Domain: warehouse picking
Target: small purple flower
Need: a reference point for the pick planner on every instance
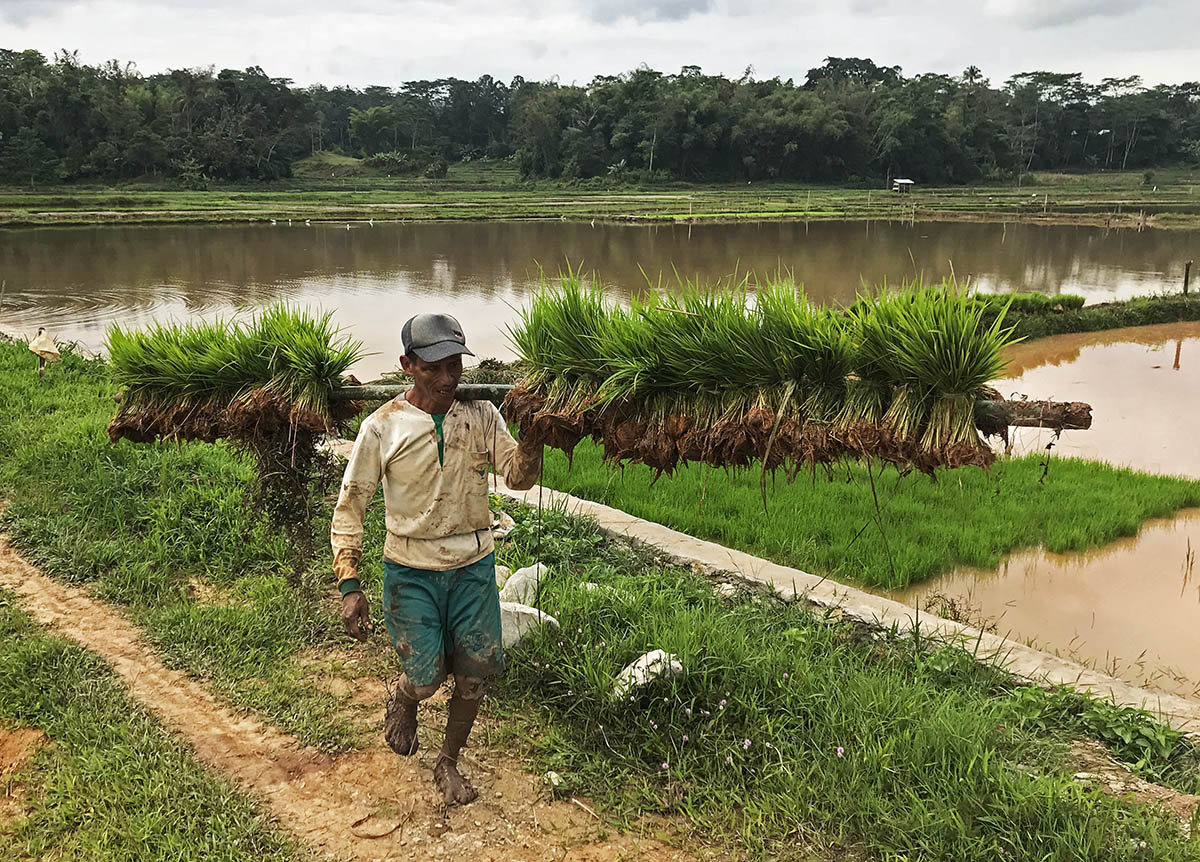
(729, 759)
(601, 644)
(685, 737)
(560, 643)
(721, 705)
(665, 765)
(537, 664)
(841, 751)
(570, 692)
(688, 710)
(785, 676)
(746, 744)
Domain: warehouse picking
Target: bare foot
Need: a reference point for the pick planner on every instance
(400, 725)
(455, 789)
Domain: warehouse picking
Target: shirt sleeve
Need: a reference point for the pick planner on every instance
(363, 474)
(520, 469)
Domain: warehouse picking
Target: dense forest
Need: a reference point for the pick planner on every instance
(850, 120)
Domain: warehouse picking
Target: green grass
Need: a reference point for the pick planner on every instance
(1138, 311)
(113, 784)
(142, 525)
(487, 189)
(940, 758)
(826, 525)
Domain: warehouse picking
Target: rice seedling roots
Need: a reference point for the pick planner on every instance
(736, 440)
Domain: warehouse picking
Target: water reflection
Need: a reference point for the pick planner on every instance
(1141, 383)
(78, 280)
(1131, 608)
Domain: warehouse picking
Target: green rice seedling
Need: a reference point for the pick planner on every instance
(869, 386)
(949, 357)
(562, 335)
(812, 344)
(697, 351)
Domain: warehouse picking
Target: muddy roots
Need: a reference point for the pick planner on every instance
(735, 440)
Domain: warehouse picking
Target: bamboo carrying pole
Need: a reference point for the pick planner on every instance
(1069, 415)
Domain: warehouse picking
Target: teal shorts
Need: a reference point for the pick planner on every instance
(444, 623)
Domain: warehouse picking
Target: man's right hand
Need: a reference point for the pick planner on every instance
(355, 615)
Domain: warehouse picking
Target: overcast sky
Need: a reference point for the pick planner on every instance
(361, 42)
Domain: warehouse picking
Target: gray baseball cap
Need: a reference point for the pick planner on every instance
(433, 337)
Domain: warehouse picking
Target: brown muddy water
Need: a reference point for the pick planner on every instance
(1132, 607)
(76, 281)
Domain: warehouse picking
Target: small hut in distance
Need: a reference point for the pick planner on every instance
(903, 186)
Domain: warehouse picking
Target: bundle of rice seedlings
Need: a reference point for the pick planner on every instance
(872, 378)
(222, 379)
(709, 375)
(264, 385)
(950, 357)
(562, 337)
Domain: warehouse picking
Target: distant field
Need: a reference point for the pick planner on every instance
(338, 188)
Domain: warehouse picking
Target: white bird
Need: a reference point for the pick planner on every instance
(43, 346)
(593, 222)
(289, 221)
(371, 222)
(272, 221)
(347, 225)
(308, 221)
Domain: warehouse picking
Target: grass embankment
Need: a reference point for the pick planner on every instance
(939, 759)
(1139, 311)
(826, 524)
(493, 190)
(111, 784)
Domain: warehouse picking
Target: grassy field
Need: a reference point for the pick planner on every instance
(787, 736)
(111, 785)
(826, 524)
(331, 189)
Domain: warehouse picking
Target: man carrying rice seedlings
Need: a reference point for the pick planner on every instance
(439, 590)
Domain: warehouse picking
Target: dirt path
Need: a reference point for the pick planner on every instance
(318, 797)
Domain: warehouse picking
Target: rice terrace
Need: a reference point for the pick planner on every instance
(669, 467)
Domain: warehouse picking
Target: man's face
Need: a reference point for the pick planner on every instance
(439, 379)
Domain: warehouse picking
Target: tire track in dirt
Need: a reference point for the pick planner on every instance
(318, 797)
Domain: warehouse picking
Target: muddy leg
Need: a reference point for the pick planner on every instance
(41, 367)
(400, 719)
(460, 718)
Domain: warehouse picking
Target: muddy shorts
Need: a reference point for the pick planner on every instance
(444, 623)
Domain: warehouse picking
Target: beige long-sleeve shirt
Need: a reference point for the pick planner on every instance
(437, 514)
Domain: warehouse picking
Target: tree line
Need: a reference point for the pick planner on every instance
(850, 120)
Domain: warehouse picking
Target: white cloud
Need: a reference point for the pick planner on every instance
(361, 42)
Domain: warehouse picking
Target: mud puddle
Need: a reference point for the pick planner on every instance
(1142, 384)
(1130, 608)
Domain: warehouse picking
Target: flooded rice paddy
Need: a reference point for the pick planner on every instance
(1132, 607)
(76, 281)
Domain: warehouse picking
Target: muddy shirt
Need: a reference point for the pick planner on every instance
(436, 507)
